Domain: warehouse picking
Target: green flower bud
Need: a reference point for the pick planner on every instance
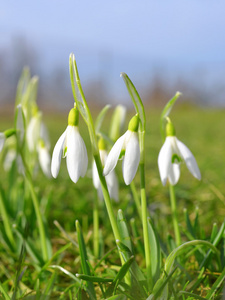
(101, 144)
(73, 117)
(134, 123)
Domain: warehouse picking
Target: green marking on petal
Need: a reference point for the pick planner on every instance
(122, 153)
(175, 159)
(64, 151)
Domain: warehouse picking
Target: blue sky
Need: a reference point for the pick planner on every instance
(136, 37)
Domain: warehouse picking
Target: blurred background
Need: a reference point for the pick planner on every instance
(163, 46)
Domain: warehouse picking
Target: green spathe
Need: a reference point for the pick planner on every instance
(134, 123)
(101, 144)
(73, 117)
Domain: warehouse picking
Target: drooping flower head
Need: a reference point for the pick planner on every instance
(71, 145)
(126, 147)
(111, 179)
(172, 153)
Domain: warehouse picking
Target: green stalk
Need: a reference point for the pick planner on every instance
(96, 228)
(136, 199)
(34, 198)
(174, 215)
(144, 209)
(107, 198)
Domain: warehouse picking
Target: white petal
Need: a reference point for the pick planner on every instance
(32, 133)
(189, 159)
(57, 155)
(44, 160)
(95, 176)
(164, 160)
(131, 159)
(112, 184)
(77, 160)
(114, 155)
(44, 135)
(2, 140)
(174, 173)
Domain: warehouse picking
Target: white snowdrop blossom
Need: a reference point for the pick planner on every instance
(2, 140)
(128, 145)
(44, 158)
(111, 179)
(172, 153)
(70, 145)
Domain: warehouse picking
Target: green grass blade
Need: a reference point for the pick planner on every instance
(216, 285)
(118, 297)
(3, 292)
(217, 239)
(193, 296)
(94, 278)
(155, 251)
(30, 247)
(65, 272)
(188, 224)
(84, 259)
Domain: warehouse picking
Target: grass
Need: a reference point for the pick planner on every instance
(24, 275)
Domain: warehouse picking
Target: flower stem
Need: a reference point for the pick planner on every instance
(96, 228)
(144, 210)
(174, 215)
(107, 198)
(136, 199)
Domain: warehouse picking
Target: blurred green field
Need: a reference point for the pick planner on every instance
(202, 130)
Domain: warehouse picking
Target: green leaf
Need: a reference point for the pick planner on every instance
(136, 235)
(155, 251)
(94, 278)
(122, 226)
(171, 258)
(84, 259)
(100, 118)
(165, 113)
(138, 281)
(118, 297)
(136, 99)
(65, 272)
(117, 122)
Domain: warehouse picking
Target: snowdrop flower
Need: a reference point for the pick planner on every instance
(128, 146)
(111, 179)
(172, 153)
(5, 135)
(71, 145)
(44, 159)
(2, 140)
